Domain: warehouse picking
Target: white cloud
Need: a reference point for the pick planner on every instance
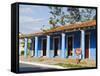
(28, 19)
(25, 10)
(29, 27)
(28, 24)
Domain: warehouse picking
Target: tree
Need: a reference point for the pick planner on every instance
(87, 14)
(74, 14)
(55, 13)
(60, 16)
(71, 15)
(53, 21)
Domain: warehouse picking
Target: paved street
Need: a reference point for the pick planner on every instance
(29, 67)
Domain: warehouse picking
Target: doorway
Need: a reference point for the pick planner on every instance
(56, 46)
(70, 45)
(87, 43)
(32, 47)
(44, 43)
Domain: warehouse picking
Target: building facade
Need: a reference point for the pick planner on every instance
(63, 41)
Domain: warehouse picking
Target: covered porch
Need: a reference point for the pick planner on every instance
(63, 41)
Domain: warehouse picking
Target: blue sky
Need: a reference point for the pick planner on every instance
(32, 18)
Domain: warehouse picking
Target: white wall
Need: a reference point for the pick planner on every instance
(5, 24)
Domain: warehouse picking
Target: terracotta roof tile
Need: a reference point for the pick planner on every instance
(73, 26)
(66, 27)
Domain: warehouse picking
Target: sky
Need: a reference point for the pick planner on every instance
(32, 18)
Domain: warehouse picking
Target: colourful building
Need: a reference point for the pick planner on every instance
(63, 41)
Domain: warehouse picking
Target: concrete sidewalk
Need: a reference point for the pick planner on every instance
(42, 65)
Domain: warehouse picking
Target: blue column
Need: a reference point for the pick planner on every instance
(83, 43)
(26, 48)
(36, 46)
(48, 46)
(63, 50)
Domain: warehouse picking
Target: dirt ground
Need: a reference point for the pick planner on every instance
(54, 61)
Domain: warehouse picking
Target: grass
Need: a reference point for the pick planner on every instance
(69, 65)
(66, 63)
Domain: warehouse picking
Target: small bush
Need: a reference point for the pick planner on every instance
(22, 52)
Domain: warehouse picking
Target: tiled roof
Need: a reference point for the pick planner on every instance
(67, 27)
(74, 26)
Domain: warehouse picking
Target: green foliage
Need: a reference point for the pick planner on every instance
(53, 21)
(22, 52)
(23, 45)
(74, 14)
(71, 15)
(55, 13)
(88, 14)
(28, 45)
(69, 65)
(62, 16)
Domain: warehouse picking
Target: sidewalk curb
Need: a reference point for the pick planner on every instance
(42, 65)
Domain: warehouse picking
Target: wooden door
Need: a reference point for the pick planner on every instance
(56, 43)
(44, 47)
(70, 45)
(87, 46)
